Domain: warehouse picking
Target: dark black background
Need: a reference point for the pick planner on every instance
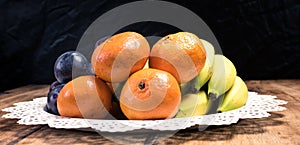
(261, 37)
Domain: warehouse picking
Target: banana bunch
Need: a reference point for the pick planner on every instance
(225, 90)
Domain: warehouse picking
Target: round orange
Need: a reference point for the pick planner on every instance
(182, 54)
(119, 56)
(84, 97)
(150, 94)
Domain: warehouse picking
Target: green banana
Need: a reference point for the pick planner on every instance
(195, 84)
(236, 97)
(223, 77)
(193, 105)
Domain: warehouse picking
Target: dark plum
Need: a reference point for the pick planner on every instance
(52, 99)
(89, 69)
(101, 40)
(54, 85)
(70, 65)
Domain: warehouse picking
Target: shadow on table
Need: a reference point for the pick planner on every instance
(215, 133)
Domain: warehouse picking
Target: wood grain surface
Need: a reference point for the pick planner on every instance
(280, 128)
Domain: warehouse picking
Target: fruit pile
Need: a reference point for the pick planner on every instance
(180, 76)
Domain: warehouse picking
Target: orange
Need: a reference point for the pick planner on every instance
(84, 97)
(119, 56)
(182, 54)
(150, 94)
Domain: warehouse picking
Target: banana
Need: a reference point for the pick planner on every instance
(223, 77)
(195, 84)
(236, 97)
(207, 70)
(193, 105)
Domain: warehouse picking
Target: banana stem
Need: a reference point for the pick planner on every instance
(212, 96)
(213, 103)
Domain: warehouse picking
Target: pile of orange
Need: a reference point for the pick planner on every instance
(145, 81)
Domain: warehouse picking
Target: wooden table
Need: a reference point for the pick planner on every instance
(280, 128)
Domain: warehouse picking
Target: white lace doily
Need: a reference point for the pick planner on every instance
(32, 113)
